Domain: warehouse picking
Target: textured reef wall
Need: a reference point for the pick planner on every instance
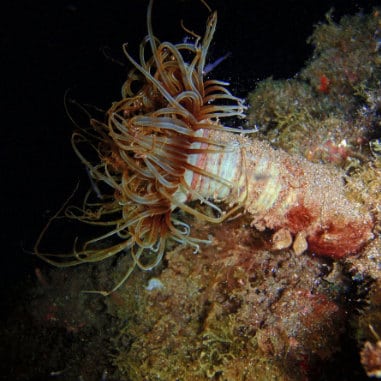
(235, 311)
(329, 111)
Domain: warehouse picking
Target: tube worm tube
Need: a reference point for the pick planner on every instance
(287, 194)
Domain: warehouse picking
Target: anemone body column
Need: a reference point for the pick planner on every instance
(287, 194)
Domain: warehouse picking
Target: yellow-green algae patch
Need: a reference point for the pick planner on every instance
(233, 311)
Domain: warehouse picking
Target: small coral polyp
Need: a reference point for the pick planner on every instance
(164, 145)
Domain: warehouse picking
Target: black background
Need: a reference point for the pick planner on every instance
(50, 47)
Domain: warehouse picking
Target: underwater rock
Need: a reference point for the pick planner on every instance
(233, 311)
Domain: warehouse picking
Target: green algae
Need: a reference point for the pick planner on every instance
(329, 110)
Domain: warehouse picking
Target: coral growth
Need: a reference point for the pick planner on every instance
(329, 111)
(371, 359)
(365, 186)
(237, 312)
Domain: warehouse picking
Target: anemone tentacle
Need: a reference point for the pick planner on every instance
(153, 151)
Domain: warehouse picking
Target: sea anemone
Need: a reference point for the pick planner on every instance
(154, 152)
(162, 147)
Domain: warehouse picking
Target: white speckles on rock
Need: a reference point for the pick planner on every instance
(154, 284)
